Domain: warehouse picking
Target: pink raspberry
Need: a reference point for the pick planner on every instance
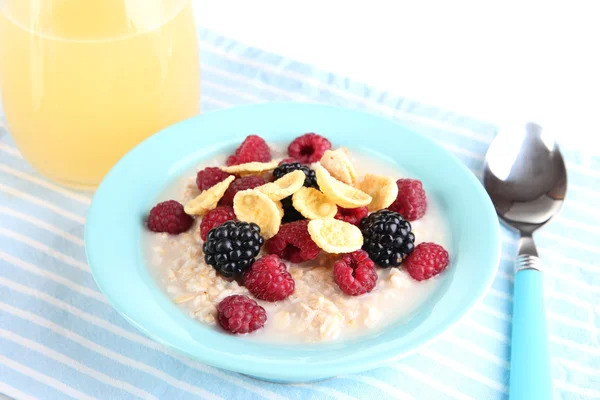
(253, 148)
(288, 160)
(308, 148)
(268, 279)
(355, 273)
(426, 260)
(293, 243)
(352, 215)
(169, 217)
(411, 201)
(246, 182)
(209, 177)
(240, 314)
(215, 218)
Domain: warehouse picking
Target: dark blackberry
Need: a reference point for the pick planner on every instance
(290, 214)
(286, 168)
(231, 247)
(387, 238)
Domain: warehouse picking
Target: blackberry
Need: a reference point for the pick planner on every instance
(290, 213)
(232, 247)
(286, 168)
(387, 238)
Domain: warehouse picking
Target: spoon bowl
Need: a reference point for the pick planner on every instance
(525, 176)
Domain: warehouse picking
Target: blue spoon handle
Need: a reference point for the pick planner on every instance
(530, 377)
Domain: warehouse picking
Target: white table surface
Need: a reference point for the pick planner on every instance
(534, 60)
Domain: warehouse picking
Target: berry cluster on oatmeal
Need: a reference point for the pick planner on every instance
(257, 217)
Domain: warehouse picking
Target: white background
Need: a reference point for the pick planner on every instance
(492, 60)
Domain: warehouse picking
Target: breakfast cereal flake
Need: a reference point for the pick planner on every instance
(251, 167)
(343, 195)
(382, 189)
(208, 199)
(283, 187)
(335, 236)
(313, 204)
(254, 206)
(339, 166)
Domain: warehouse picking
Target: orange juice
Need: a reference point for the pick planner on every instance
(83, 81)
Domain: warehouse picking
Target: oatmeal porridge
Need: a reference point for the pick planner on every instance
(334, 290)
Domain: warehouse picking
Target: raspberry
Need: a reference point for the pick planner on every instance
(215, 218)
(240, 314)
(352, 215)
(169, 217)
(355, 273)
(288, 160)
(293, 243)
(426, 260)
(268, 279)
(209, 177)
(411, 202)
(308, 148)
(253, 148)
(246, 182)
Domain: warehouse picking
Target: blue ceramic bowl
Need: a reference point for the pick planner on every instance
(115, 223)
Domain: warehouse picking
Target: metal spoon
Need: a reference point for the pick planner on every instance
(526, 179)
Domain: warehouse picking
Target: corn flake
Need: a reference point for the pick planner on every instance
(254, 206)
(285, 186)
(251, 168)
(341, 194)
(279, 208)
(339, 166)
(335, 236)
(382, 189)
(313, 204)
(208, 199)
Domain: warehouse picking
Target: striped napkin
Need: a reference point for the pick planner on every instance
(60, 338)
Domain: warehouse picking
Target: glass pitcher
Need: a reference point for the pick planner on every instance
(83, 81)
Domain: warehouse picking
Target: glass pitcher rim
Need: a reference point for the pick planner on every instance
(174, 8)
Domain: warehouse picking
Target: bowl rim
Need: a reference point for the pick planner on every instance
(309, 362)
